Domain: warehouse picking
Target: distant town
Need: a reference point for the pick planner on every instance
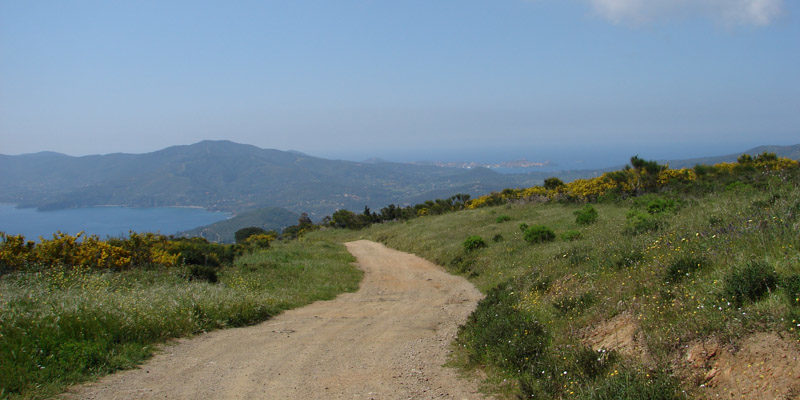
(472, 164)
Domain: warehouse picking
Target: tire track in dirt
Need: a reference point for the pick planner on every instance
(388, 340)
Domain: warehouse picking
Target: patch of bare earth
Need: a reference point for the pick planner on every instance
(389, 340)
(621, 334)
(761, 366)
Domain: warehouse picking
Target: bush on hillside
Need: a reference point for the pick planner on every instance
(569, 236)
(639, 222)
(539, 234)
(500, 333)
(684, 266)
(473, 242)
(586, 215)
(502, 218)
(749, 282)
(242, 234)
(553, 183)
(792, 286)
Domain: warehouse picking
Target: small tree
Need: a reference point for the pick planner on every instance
(553, 183)
(242, 234)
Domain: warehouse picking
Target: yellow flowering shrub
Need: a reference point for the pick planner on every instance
(95, 253)
(15, 252)
(61, 250)
(259, 241)
(668, 176)
(161, 256)
(778, 164)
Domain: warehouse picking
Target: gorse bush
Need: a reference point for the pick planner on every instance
(749, 282)
(473, 243)
(539, 234)
(586, 215)
(137, 250)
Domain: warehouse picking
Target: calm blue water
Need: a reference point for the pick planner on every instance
(103, 221)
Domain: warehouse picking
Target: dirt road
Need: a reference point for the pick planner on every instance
(386, 341)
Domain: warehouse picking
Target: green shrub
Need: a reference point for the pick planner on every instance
(473, 242)
(203, 273)
(522, 227)
(569, 236)
(715, 221)
(792, 286)
(539, 234)
(497, 238)
(242, 234)
(592, 364)
(586, 215)
(750, 282)
(684, 266)
(577, 304)
(503, 218)
(577, 255)
(630, 385)
(553, 183)
(639, 222)
(623, 259)
(660, 205)
(655, 204)
(499, 333)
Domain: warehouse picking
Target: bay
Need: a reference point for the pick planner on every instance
(103, 221)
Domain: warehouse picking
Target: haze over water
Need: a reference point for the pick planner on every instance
(103, 221)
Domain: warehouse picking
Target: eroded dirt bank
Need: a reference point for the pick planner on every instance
(386, 341)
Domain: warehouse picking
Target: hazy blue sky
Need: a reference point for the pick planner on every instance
(361, 78)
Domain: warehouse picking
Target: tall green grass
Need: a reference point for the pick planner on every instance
(64, 325)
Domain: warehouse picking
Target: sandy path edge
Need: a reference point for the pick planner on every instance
(388, 340)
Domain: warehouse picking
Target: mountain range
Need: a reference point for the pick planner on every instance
(261, 187)
(227, 176)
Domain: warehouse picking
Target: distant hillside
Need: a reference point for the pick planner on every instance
(223, 175)
(271, 218)
(792, 152)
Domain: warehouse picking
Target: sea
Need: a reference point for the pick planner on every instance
(104, 222)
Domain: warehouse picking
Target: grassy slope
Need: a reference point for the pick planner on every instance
(567, 287)
(59, 327)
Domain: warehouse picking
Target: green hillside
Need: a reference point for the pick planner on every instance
(689, 291)
(270, 219)
(222, 175)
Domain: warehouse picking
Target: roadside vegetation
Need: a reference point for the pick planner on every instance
(600, 288)
(74, 308)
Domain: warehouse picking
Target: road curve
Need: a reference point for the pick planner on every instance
(388, 340)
